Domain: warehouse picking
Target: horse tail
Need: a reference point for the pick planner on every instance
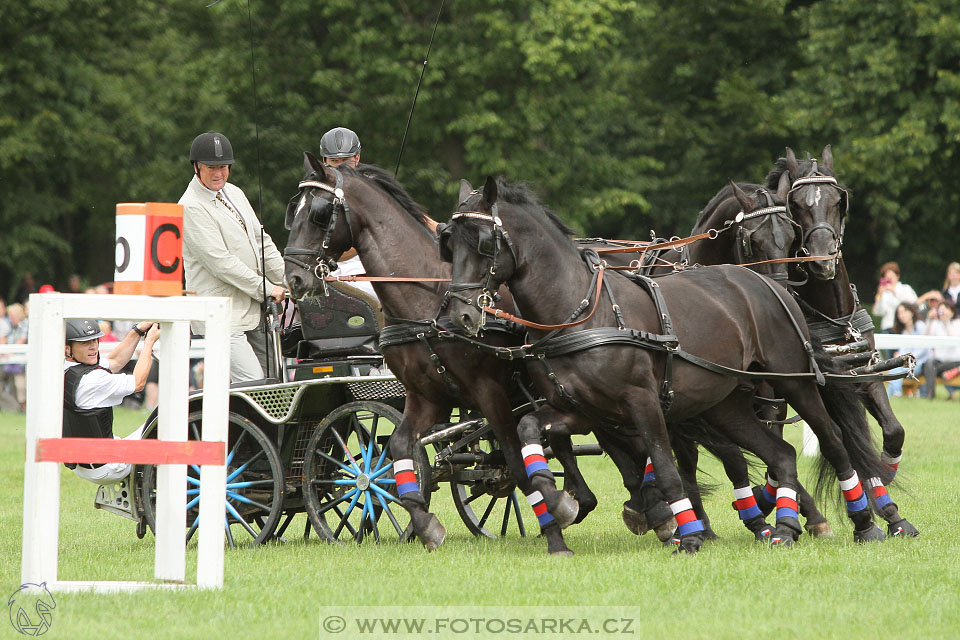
(843, 406)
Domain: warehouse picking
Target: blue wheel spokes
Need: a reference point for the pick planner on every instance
(246, 500)
(194, 481)
(386, 508)
(236, 445)
(337, 501)
(346, 515)
(385, 494)
(246, 464)
(247, 483)
(380, 471)
(345, 468)
(343, 445)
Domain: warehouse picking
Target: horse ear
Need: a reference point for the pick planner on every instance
(792, 165)
(745, 203)
(311, 164)
(490, 191)
(783, 189)
(827, 157)
(465, 189)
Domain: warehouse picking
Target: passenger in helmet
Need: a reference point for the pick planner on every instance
(340, 146)
(93, 386)
(222, 240)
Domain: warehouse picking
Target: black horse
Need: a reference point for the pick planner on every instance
(819, 204)
(366, 208)
(631, 362)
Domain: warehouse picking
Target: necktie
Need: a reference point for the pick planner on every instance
(230, 209)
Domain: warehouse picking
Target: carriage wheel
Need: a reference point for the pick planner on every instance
(349, 488)
(255, 483)
(486, 495)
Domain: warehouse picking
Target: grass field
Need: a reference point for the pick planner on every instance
(821, 588)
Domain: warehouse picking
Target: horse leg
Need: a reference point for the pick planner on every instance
(496, 409)
(815, 522)
(735, 466)
(874, 398)
(555, 509)
(741, 425)
(645, 509)
(687, 456)
(645, 412)
(417, 413)
(810, 403)
(573, 481)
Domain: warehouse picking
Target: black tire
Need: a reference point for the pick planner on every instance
(348, 485)
(255, 483)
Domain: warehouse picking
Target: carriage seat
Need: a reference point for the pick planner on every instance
(344, 324)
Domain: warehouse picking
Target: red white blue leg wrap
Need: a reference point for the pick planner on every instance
(534, 460)
(853, 493)
(745, 503)
(891, 463)
(648, 474)
(405, 476)
(540, 508)
(687, 522)
(787, 504)
(880, 495)
(770, 490)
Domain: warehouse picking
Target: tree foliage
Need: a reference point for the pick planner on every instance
(625, 116)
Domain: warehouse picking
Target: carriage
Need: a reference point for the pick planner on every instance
(318, 444)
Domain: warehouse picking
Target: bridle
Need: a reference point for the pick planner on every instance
(324, 264)
(818, 178)
(490, 244)
(743, 247)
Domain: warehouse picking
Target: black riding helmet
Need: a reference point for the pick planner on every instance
(339, 142)
(83, 330)
(211, 148)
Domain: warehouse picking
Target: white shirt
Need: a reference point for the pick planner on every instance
(354, 267)
(101, 388)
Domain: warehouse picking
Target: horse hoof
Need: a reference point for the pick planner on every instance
(873, 533)
(819, 529)
(902, 529)
(433, 535)
(565, 511)
(765, 534)
(784, 535)
(635, 520)
(781, 540)
(688, 544)
(710, 534)
(561, 553)
(666, 529)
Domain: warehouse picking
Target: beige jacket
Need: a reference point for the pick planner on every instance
(220, 258)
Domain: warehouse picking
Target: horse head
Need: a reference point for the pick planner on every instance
(763, 228)
(318, 219)
(819, 204)
(481, 251)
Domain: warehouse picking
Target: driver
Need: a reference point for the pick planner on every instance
(340, 146)
(92, 386)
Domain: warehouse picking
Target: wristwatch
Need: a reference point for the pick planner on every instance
(136, 328)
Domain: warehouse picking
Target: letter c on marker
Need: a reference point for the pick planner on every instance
(154, 246)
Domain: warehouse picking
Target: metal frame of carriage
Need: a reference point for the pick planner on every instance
(318, 445)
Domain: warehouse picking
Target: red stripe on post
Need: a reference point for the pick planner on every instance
(103, 450)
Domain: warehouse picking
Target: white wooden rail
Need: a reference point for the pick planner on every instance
(41, 505)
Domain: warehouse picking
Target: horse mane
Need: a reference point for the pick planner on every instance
(389, 185)
(519, 193)
(727, 192)
(805, 169)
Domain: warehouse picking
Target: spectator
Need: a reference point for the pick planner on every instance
(222, 240)
(941, 321)
(27, 286)
(74, 284)
(951, 285)
(908, 322)
(4, 322)
(47, 288)
(890, 293)
(107, 328)
(14, 378)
